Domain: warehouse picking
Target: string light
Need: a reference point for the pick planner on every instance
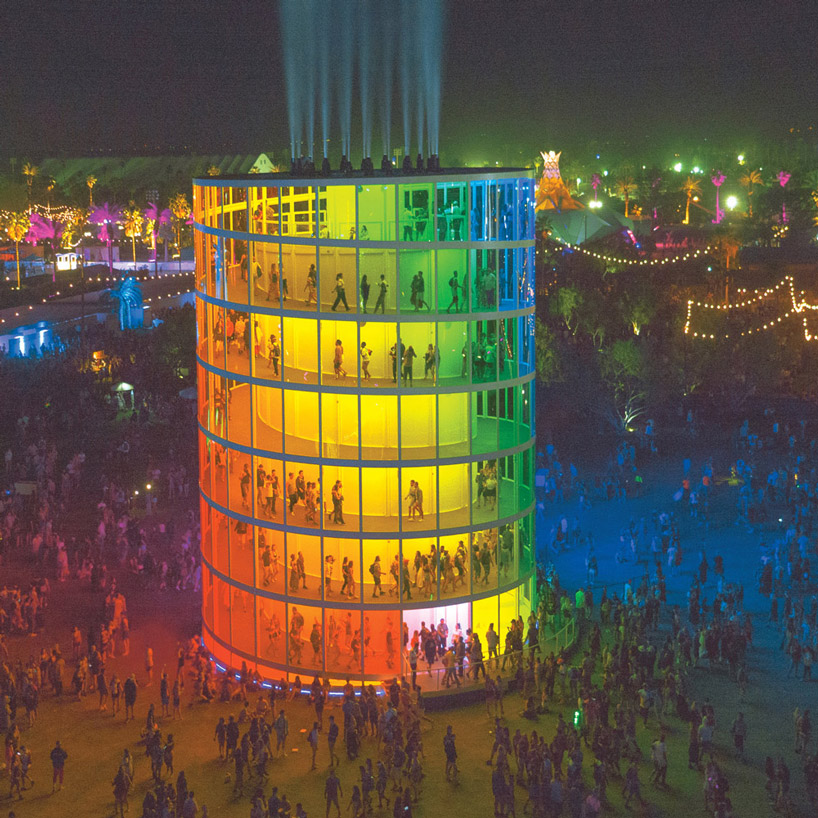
(629, 262)
(798, 307)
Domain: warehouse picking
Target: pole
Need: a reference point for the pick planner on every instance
(82, 303)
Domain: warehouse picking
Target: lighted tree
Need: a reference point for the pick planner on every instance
(625, 186)
(692, 187)
(783, 177)
(90, 180)
(132, 220)
(718, 180)
(49, 232)
(157, 222)
(17, 226)
(214, 170)
(50, 184)
(30, 171)
(749, 181)
(596, 181)
(180, 207)
(106, 217)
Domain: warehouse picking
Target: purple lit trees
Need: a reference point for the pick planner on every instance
(107, 216)
(49, 232)
(718, 180)
(783, 177)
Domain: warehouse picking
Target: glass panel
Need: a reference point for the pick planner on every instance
(451, 209)
(300, 490)
(205, 477)
(264, 206)
(507, 195)
(479, 211)
(484, 412)
(507, 409)
(453, 353)
(338, 219)
(265, 262)
(380, 493)
(507, 500)
(339, 353)
(508, 558)
(300, 350)
(508, 614)
(418, 426)
(483, 266)
(417, 216)
(343, 642)
(379, 427)
(484, 560)
(417, 287)
(299, 277)
(526, 215)
(415, 341)
(298, 211)
(376, 561)
(219, 474)
(485, 491)
(485, 616)
(525, 543)
(524, 430)
(341, 497)
(507, 279)
(342, 568)
(454, 495)
(376, 212)
(221, 609)
(270, 573)
(242, 558)
(221, 542)
(267, 340)
(240, 488)
(271, 637)
(454, 566)
(337, 279)
(238, 341)
(453, 429)
(452, 281)
(301, 419)
(339, 426)
(238, 412)
(272, 506)
(378, 280)
(217, 351)
(267, 421)
(235, 209)
(484, 351)
(381, 353)
(305, 641)
(382, 642)
(236, 266)
(303, 562)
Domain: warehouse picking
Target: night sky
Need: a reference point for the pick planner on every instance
(83, 76)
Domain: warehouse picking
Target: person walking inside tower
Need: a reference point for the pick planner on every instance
(340, 293)
(383, 286)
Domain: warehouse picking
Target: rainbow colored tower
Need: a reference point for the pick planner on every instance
(366, 414)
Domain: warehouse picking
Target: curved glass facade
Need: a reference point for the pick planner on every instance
(366, 414)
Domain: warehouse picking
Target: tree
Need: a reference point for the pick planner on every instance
(214, 170)
(180, 207)
(748, 181)
(625, 186)
(49, 232)
(17, 226)
(692, 187)
(132, 220)
(30, 171)
(50, 184)
(106, 217)
(90, 180)
(568, 301)
(548, 362)
(157, 222)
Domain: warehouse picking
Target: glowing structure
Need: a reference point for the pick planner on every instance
(552, 194)
(290, 408)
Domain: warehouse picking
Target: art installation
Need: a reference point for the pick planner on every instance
(366, 414)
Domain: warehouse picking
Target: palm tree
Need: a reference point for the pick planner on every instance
(90, 180)
(49, 232)
(107, 216)
(625, 186)
(132, 222)
(692, 187)
(180, 208)
(17, 225)
(155, 221)
(751, 178)
(50, 184)
(30, 171)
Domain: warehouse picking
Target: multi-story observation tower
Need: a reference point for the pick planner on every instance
(366, 414)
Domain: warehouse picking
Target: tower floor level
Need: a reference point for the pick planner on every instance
(366, 417)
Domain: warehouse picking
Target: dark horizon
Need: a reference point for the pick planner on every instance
(186, 76)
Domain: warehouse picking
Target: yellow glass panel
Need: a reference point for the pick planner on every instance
(339, 426)
(418, 416)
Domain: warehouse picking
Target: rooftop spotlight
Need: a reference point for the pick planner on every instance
(293, 167)
(325, 167)
(386, 165)
(367, 168)
(407, 164)
(419, 163)
(433, 164)
(346, 165)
